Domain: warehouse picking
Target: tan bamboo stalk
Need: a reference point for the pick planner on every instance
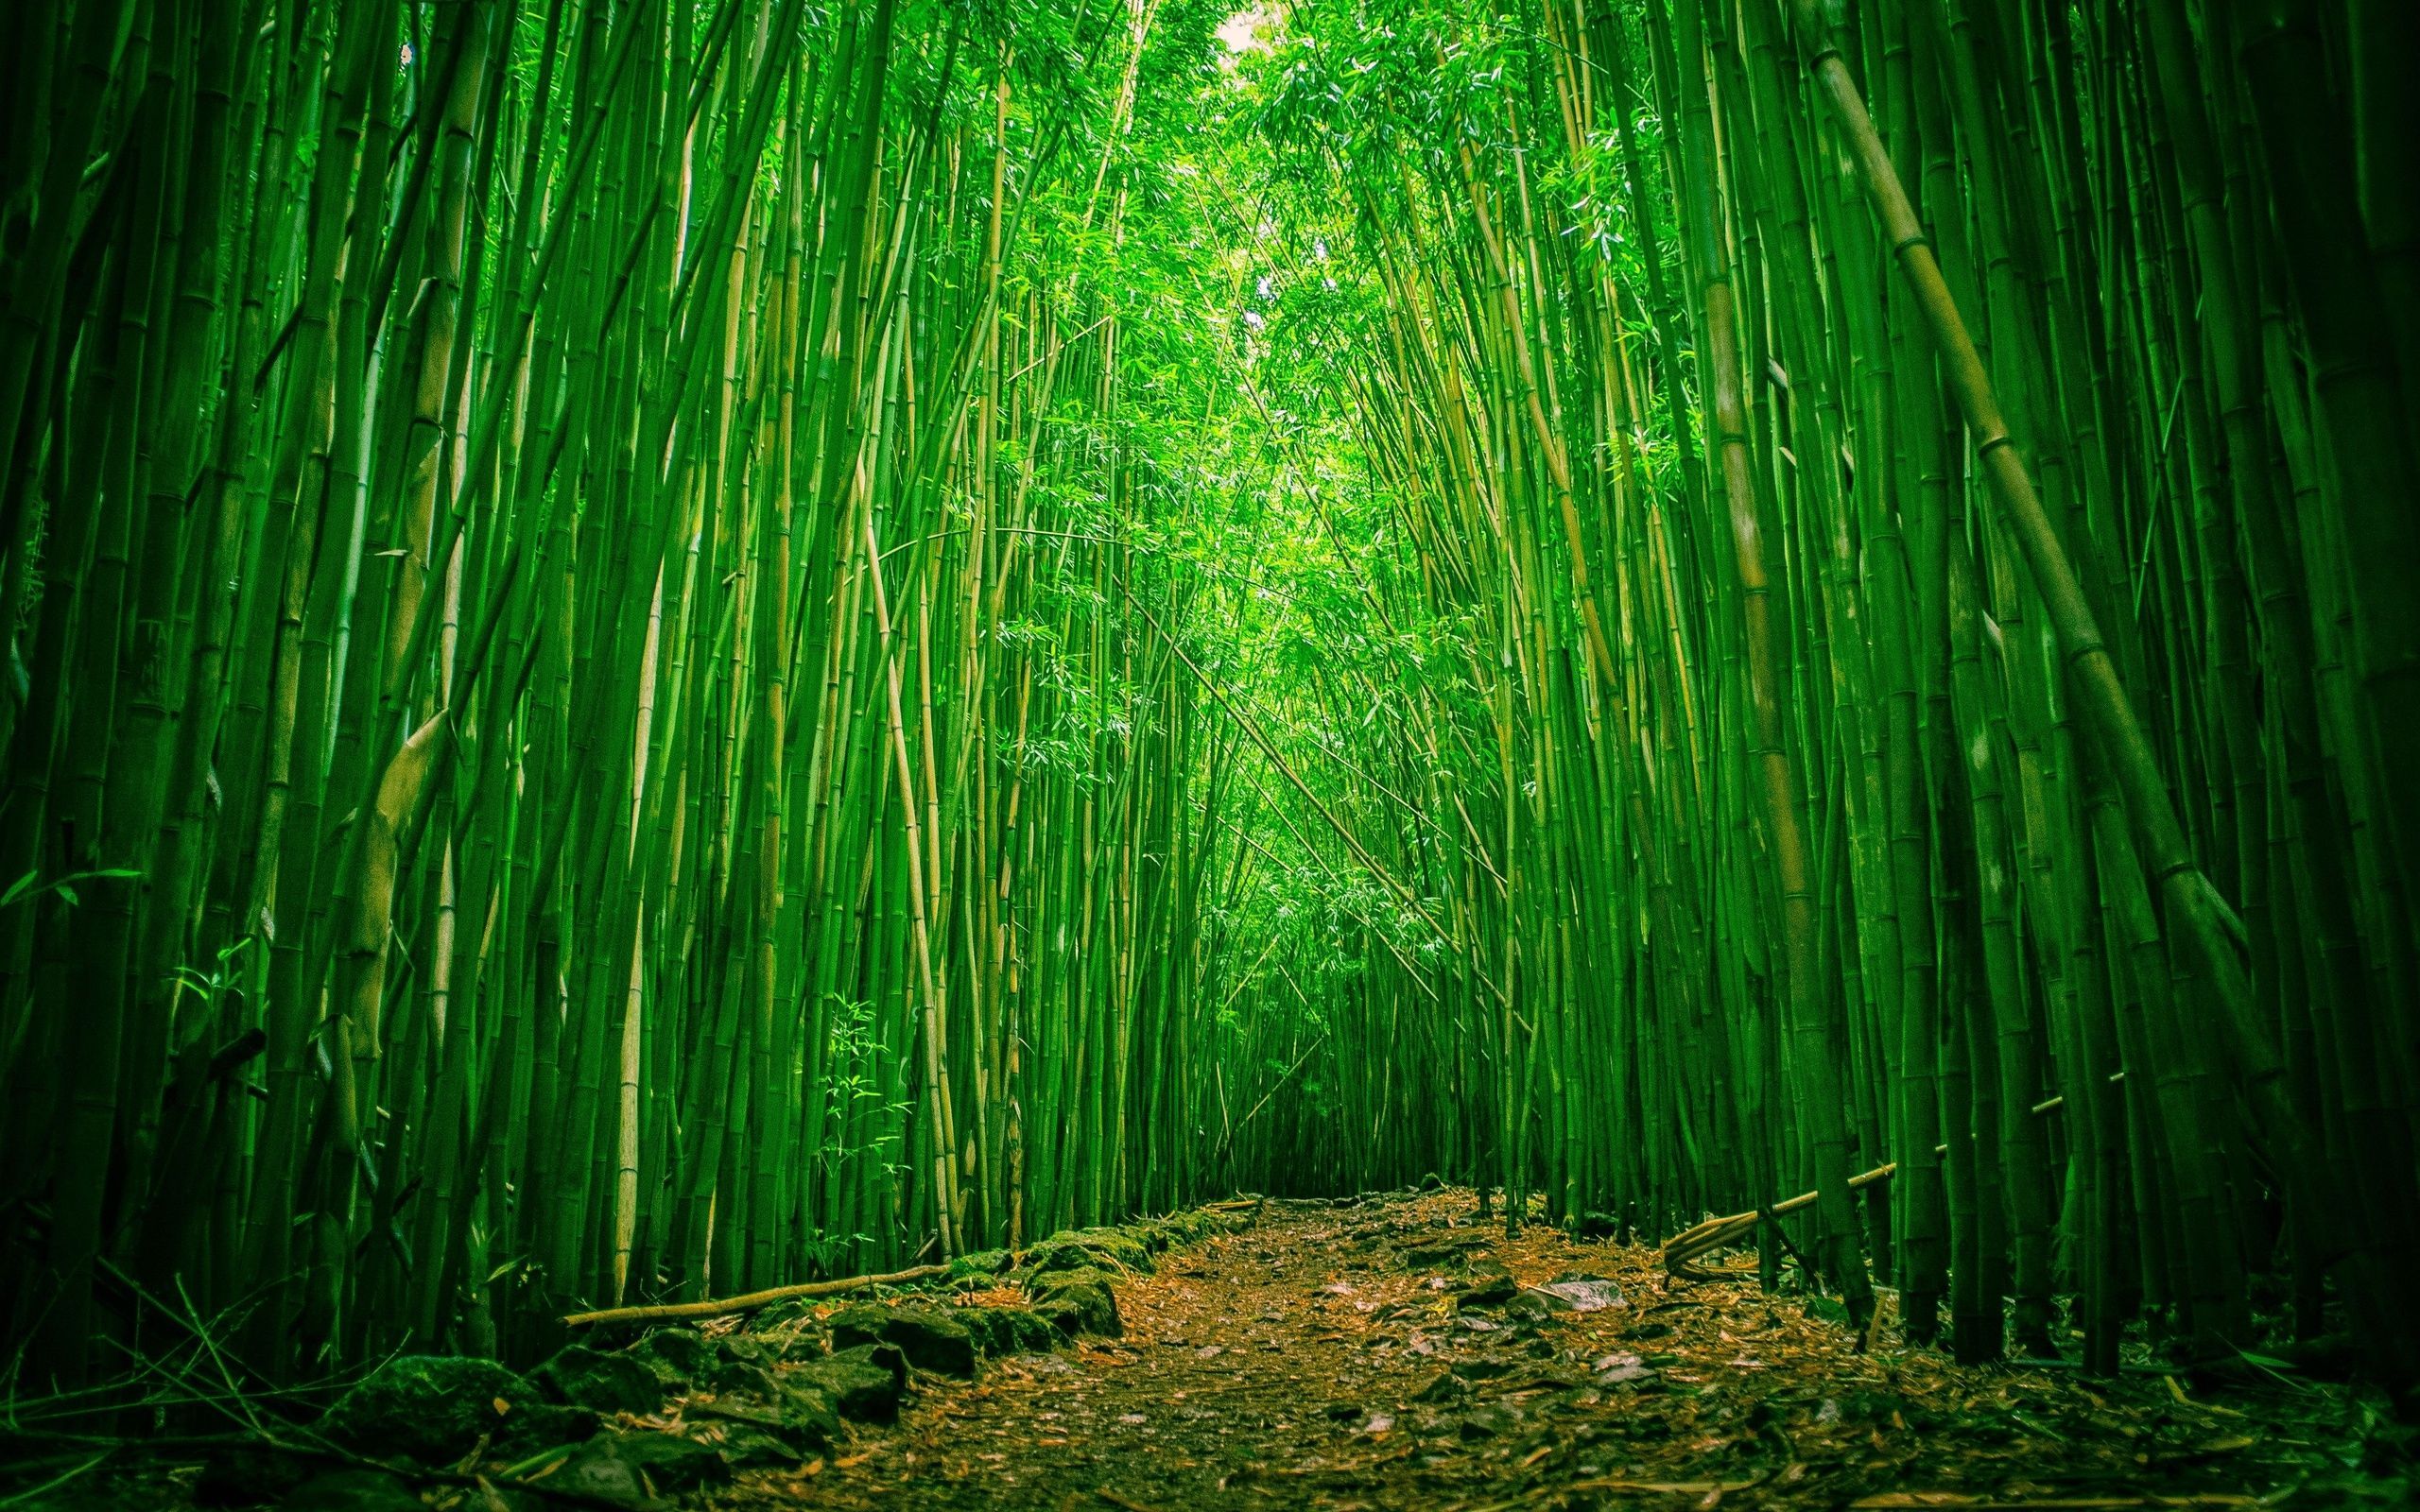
(936, 1066)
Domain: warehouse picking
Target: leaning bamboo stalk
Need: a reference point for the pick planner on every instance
(936, 1066)
(2198, 912)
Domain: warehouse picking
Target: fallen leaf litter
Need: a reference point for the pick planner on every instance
(1397, 1354)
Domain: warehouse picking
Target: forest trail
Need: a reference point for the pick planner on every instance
(1396, 1353)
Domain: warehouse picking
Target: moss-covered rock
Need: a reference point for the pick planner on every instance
(932, 1338)
(1091, 1248)
(747, 1446)
(743, 1363)
(756, 1347)
(436, 1408)
(806, 1417)
(800, 1421)
(1079, 1302)
(1190, 1226)
(864, 1382)
(675, 1355)
(984, 1265)
(1009, 1330)
(603, 1383)
(637, 1469)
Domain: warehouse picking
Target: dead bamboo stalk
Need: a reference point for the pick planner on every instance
(2195, 907)
(750, 1302)
(1718, 1233)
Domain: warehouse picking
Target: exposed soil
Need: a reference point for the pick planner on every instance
(1349, 1358)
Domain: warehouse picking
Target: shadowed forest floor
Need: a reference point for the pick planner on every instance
(1386, 1353)
(1348, 1357)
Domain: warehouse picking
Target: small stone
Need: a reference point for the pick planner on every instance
(1621, 1368)
(1588, 1294)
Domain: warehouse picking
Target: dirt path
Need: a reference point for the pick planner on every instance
(1389, 1355)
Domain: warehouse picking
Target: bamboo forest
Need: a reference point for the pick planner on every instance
(1116, 753)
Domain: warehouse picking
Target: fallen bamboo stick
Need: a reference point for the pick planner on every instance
(1720, 1233)
(750, 1302)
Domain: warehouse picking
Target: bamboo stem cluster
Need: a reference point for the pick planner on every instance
(575, 731)
(658, 649)
(1908, 475)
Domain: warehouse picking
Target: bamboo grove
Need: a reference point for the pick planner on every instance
(1922, 485)
(668, 646)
